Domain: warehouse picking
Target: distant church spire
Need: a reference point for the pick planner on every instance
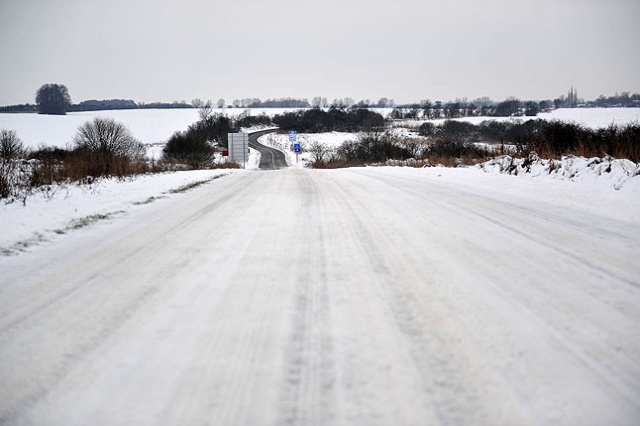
(572, 97)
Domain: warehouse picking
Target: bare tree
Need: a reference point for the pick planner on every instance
(221, 103)
(205, 111)
(318, 151)
(106, 137)
(11, 150)
(11, 147)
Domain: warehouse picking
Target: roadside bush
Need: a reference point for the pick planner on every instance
(550, 139)
(560, 138)
(629, 142)
(624, 141)
(212, 128)
(49, 165)
(11, 152)
(373, 147)
(106, 148)
(493, 131)
(247, 120)
(457, 130)
(427, 129)
(318, 152)
(453, 152)
(189, 148)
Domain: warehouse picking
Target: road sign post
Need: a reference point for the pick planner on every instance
(238, 147)
(297, 149)
(293, 139)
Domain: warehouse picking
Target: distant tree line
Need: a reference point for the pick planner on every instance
(99, 105)
(626, 100)
(272, 103)
(19, 108)
(316, 102)
(55, 99)
(317, 120)
(427, 110)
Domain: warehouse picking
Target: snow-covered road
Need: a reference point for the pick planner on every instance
(345, 297)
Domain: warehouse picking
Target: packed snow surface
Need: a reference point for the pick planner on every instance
(365, 296)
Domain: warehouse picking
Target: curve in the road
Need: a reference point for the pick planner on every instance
(270, 158)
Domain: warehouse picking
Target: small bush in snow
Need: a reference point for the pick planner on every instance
(11, 173)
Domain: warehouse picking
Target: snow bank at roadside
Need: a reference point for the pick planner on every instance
(64, 208)
(67, 207)
(604, 172)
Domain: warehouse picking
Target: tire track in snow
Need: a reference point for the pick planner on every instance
(446, 390)
(591, 306)
(308, 395)
(543, 227)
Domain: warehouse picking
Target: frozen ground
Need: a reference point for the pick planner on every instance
(377, 296)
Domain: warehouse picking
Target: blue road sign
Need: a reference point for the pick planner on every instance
(296, 147)
(293, 135)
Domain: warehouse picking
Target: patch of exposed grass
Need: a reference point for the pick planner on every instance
(22, 246)
(147, 201)
(88, 220)
(192, 185)
(85, 221)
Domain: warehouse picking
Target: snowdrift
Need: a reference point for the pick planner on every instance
(605, 172)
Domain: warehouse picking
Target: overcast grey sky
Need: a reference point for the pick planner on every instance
(407, 50)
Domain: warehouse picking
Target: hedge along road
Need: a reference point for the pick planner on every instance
(369, 296)
(270, 158)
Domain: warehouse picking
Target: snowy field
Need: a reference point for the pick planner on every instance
(155, 126)
(150, 126)
(594, 118)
